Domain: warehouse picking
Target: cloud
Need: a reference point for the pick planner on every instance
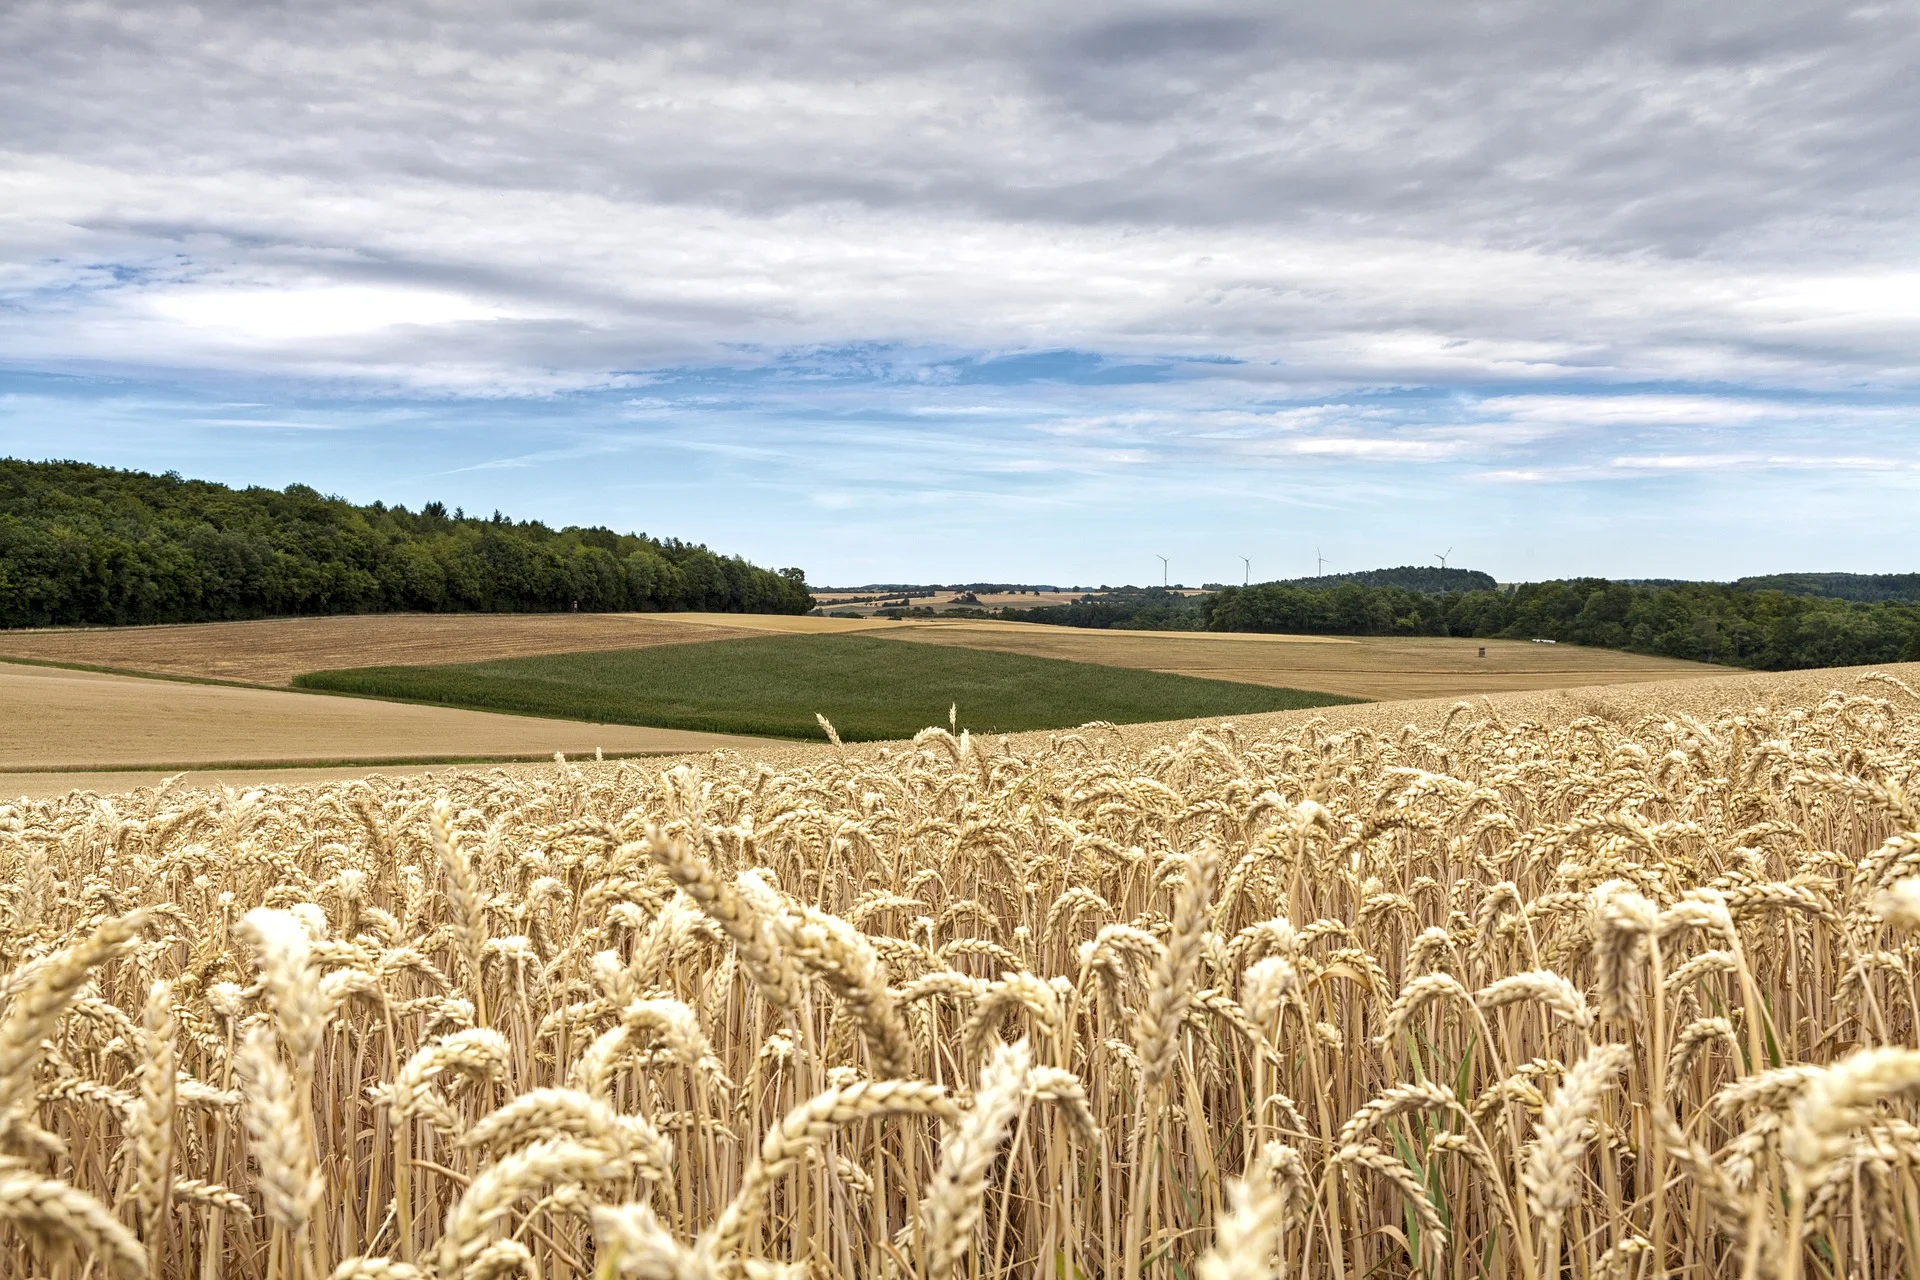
(1741, 461)
(1374, 193)
(274, 316)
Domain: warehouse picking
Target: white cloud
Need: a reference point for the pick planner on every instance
(1379, 193)
(1870, 298)
(1744, 461)
(1359, 447)
(274, 317)
(1634, 410)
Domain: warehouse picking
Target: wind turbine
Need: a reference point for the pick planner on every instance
(1442, 557)
(1246, 578)
(1320, 570)
(1163, 568)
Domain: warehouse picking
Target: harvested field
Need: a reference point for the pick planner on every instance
(783, 623)
(985, 600)
(60, 721)
(997, 600)
(1620, 996)
(1374, 667)
(1009, 600)
(272, 651)
(867, 603)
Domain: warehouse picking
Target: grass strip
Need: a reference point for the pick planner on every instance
(772, 686)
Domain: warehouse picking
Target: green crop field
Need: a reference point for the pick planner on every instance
(772, 686)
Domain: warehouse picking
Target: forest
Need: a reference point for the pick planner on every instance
(1840, 586)
(1410, 577)
(1708, 622)
(82, 544)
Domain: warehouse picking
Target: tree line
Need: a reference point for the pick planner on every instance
(82, 544)
(1840, 586)
(1707, 622)
(1411, 577)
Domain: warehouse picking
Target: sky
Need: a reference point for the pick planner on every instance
(1027, 291)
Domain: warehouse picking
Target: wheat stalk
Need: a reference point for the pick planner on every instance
(1553, 1174)
(58, 1215)
(152, 1118)
(957, 1195)
(289, 1184)
(788, 1142)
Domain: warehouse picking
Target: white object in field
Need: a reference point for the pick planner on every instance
(1538, 640)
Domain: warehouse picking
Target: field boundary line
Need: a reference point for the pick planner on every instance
(305, 689)
(174, 677)
(333, 693)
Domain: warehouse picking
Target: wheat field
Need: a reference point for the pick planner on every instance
(1619, 997)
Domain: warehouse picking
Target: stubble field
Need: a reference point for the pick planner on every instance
(1622, 993)
(61, 721)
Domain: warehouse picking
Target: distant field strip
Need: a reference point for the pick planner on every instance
(1369, 667)
(773, 686)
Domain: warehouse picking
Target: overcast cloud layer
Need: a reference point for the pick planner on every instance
(1025, 290)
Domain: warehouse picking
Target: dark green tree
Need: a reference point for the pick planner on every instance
(82, 544)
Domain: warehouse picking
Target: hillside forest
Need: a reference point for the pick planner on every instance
(81, 544)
